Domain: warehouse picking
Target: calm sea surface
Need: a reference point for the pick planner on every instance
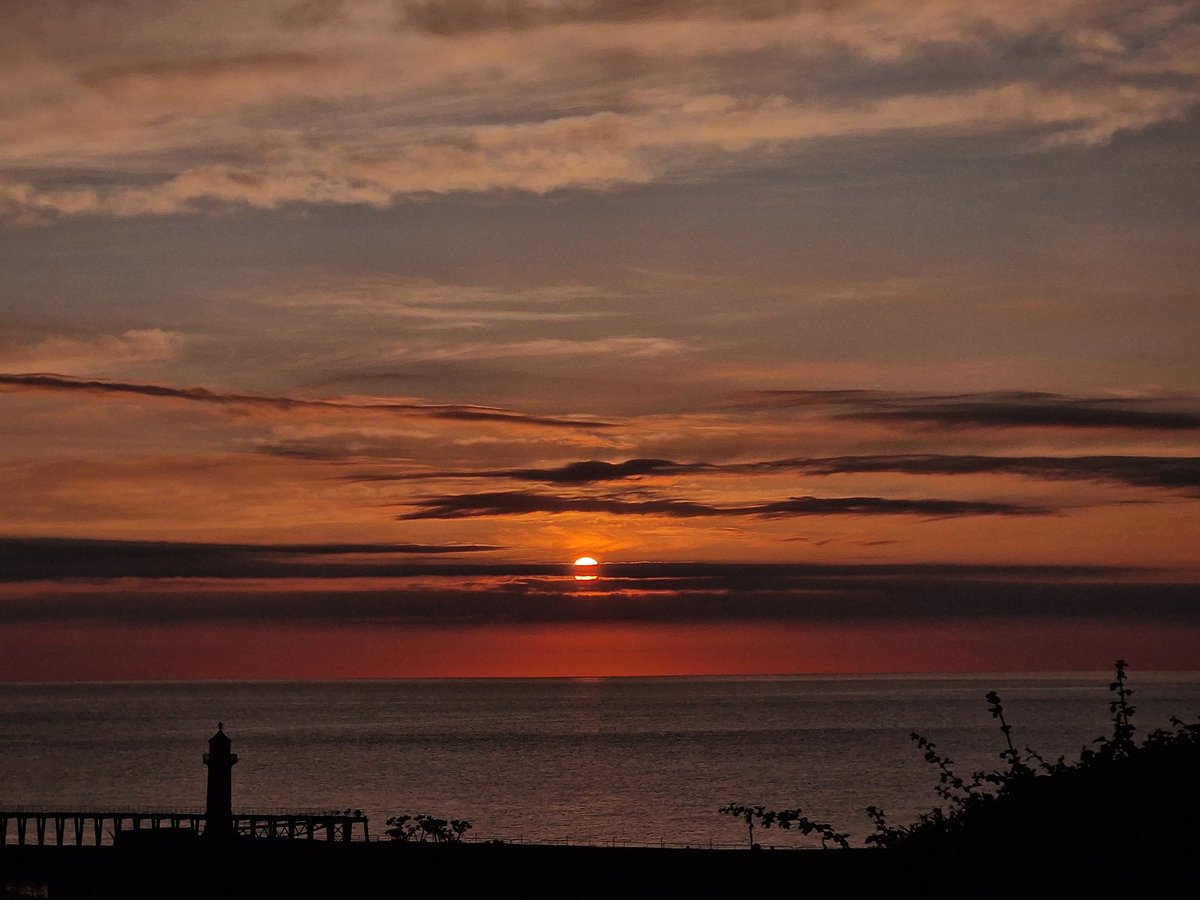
(595, 760)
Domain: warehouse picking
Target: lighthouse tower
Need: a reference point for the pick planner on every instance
(218, 807)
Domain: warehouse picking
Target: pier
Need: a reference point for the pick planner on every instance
(99, 827)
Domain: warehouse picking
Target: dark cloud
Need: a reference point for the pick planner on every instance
(65, 559)
(1139, 471)
(1180, 472)
(326, 451)
(512, 503)
(1012, 409)
(90, 584)
(516, 503)
(737, 575)
(48, 382)
(200, 69)
(459, 16)
(29, 559)
(864, 594)
(882, 506)
(784, 399)
(595, 470)
(585, 472)
(1056, 414)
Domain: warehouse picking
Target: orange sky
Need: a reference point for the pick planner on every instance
(841, 334)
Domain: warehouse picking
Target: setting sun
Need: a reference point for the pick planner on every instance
(585, 562)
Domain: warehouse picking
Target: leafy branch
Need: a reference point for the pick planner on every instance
(787, 819)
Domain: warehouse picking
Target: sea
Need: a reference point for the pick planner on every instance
(620, 761)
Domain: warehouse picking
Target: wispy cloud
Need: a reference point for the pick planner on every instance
(647, 594)
(210, 116)
(617, 346)
(989, 410)
(33, 559)
(1171, 472)
(423, 305)
(598, 151)
(93, 354)
(514, 503)
(459, 16)
(39, 382)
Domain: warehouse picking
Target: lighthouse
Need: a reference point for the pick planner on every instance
(218, 807)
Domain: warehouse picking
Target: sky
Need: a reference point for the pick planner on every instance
(848, 335)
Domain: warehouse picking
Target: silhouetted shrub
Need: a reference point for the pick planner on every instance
(422, 827)
(1120, 798)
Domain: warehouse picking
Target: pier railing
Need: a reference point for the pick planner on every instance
(99, 826)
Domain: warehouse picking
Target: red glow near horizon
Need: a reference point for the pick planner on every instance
(78, 653)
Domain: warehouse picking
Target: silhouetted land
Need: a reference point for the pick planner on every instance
(262, 869)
